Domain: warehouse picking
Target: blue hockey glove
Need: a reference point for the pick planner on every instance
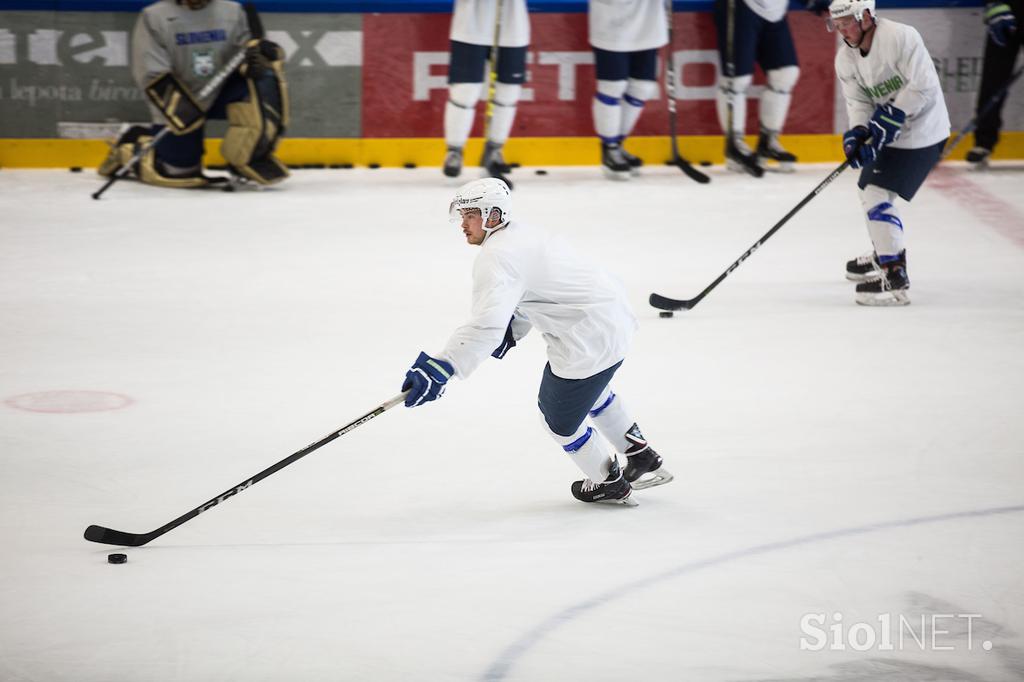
(425, 380)
(885, 126)
(857, 148)
(1002, 25)
(507, 344)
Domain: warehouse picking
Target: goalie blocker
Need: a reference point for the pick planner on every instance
(254, 101)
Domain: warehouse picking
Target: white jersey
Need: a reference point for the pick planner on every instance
(627, 25)
(191, 44)
(473, 23)
(580, 309)
(899, 71)
(769, 10)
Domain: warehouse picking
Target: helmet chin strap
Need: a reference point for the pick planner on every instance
(863, 33)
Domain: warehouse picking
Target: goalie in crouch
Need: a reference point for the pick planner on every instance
(178, 47)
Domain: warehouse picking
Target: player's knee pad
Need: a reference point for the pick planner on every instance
(737, 85)
(255, 125)
(639, 91)
(783, 80)
(507, 94)
(885, 227)
(610, 92)
(464, 95)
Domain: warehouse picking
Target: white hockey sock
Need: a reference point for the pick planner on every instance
(776, 97)
(732, 90)
(607, 109)
(884, 224)
(587, 451)
(506, 97)
(637, 92)
(614, 423)
(459, 112)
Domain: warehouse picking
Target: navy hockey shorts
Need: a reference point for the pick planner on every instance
(902, 171)
(641, 65)
(467, 63)
(769, 43)
(566, 402)
(185, 151)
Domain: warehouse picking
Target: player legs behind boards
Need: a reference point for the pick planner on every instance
(625, 81)
(525, 278)
(760, 33)
(472, 50)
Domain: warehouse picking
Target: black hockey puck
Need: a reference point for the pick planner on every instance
(409, 165)
(117, 558)
(541, 171)
(665, 313)
(705, 163)
(75, 169)
(373, 165)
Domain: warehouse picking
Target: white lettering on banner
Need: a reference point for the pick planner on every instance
(566, 63)
(50, 47)
(422, 80)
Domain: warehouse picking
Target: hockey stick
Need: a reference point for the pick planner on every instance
(989, 105)
(117, 537)
(670, 90)
(665, 303)
(256, 31)
(492, 84)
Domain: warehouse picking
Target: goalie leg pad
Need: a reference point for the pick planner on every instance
(255, 124)
(176, 103)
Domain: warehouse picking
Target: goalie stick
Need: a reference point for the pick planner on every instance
(255, 31)
(670, 89)
(108, 536)
(665, 303)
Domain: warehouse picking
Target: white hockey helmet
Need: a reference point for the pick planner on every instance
(847, 8)
(490, 195)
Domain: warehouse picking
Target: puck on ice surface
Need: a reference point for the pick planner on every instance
(117, 558)
(373, 165)
(541, 171)
(665, 313)
(408, 165)
(75, 169)
(705, 163)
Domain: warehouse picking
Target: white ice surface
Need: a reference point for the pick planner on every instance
(824, 453)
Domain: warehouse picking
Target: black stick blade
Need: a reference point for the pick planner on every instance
(665, 303)
(690, 171)
(108, 536)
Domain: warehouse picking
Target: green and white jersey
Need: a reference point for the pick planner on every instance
(897, 70)
(191, 44)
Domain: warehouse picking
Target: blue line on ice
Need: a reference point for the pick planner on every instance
(500, 667)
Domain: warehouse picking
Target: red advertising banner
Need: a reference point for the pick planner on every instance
(405, 66)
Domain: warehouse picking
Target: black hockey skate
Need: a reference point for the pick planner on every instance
(613, 490)
(739, 157)
(614, 162)
(863, 268)
(890, 289)
(644, 469)
(978, 157)
(453, 162)
(635, 162)
(493, 161)
(771, 156)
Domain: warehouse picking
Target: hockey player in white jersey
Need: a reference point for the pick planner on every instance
(178, 46)
(625, 36)
(524, 278)
(759, 32)
(472, 38)
(898, 128)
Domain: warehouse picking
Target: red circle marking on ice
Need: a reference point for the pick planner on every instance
(68, 402)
